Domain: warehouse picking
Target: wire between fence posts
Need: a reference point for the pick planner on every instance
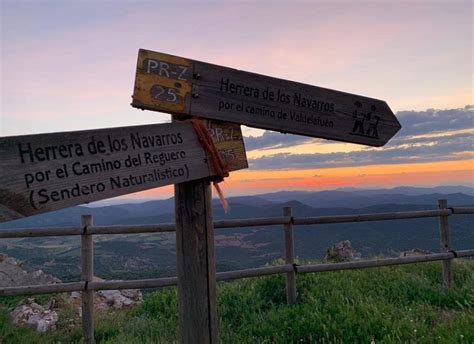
(291, 293)
(87, 265)
(445, 245)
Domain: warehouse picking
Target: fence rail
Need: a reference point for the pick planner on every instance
(264, 221)
(87, 230)
(231, 275)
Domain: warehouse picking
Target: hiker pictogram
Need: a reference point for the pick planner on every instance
(365, 123)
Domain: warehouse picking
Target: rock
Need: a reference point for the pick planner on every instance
(117, 299)
(109, 299)
(415, 252)
(12, 274)
(75, 295)
(341, 252)
(40, 317)
(44, 318)
(133, 294)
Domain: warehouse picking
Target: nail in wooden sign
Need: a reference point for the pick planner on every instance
(45, 172)
(178, 85)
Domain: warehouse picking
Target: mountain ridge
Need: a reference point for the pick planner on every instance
(248, 206)
(154, 253)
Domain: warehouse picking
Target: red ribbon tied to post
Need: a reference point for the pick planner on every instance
(220, 167)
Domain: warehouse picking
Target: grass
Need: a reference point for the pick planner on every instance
(404, 304)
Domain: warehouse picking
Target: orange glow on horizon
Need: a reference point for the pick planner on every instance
(247, 182)
(355, 170)
(391, 175)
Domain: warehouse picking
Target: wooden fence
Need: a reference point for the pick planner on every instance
(87, 230)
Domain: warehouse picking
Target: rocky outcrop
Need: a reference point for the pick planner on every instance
(341, 252)
(109, 299)
(415, 252)
(42, 318)
(12, 274)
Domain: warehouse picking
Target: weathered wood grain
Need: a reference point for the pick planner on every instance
(45, 172)
(445, 244)
(87, 273)
(267, 221)
(291, 293)
(229, 142)
(371, 217)
(217, 92)
(254, 272)
(195, 263)
(373, 263)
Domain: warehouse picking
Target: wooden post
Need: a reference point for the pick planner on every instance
(195, 263)
(289, 258)
(87, 264)
(445, 244)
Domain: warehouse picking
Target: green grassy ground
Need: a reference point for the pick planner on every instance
(388, 305)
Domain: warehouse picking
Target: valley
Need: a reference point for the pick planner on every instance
(153, 254)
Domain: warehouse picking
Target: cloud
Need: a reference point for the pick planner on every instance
(445, 148)
(414, 123)
(431, 120)
(271, 139)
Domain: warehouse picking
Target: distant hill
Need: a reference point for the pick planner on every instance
(304, 203)
(413, 191)
(361, 199)
(144, 255)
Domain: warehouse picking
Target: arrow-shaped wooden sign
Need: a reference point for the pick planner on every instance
(45, 172)
(178, 85)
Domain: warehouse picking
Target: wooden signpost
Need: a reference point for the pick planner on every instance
(182, 86)
(45, 172)
(40, 173)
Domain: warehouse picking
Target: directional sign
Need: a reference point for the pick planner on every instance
(40, 173)
(182, 86)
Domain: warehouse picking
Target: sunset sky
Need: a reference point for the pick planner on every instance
(71, 66)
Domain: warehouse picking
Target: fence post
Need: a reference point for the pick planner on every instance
(289, 258)
(195, 263)
(87, 264)
(445, 245)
